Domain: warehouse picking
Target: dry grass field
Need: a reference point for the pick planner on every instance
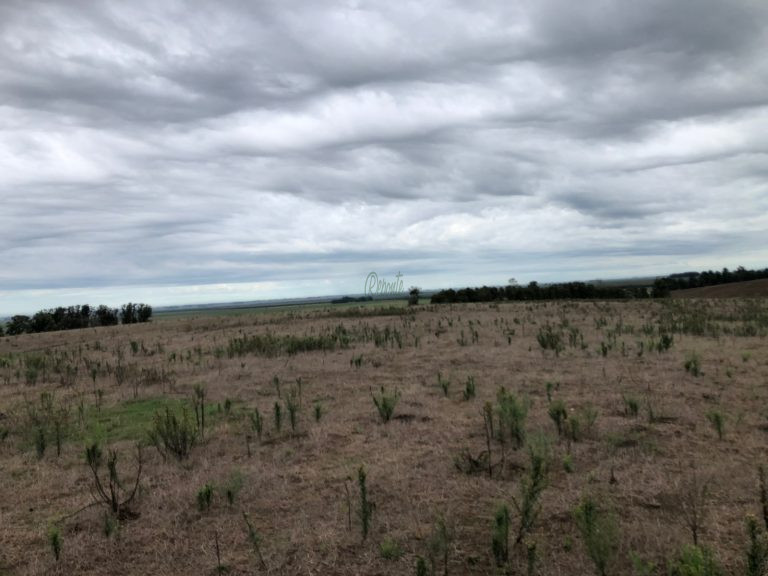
(663, 410)
(748, 289)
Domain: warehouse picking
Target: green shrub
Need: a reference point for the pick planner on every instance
(757, 553)
(444, 384)
(54, 541)
(631, 406)
(582, 424)
(717, 420)
(254, 540)
(512, 412)
(366, 508)
(390, 549)
(233, 486)
(599, 531)
(173, 434)
(385, 403)
(558, 414)
(548, 339)
(469, 388)
(114, 492)
(695, 561)
(204, 497)
(664, 343)
(257, 423)
(500, 537)
(292, 405)
(693, 364)
(198, 401)
(278, 416)
(439, 544)
(531, 487)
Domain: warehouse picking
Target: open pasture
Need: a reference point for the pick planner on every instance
(552, 438)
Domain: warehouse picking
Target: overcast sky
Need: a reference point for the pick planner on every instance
(172, 152)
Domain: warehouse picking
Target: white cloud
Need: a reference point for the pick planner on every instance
(149, 151)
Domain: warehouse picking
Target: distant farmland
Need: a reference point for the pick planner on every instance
(749, 289)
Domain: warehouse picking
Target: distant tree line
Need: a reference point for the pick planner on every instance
(584, 291)
(663, 286)
(74, 317)
(533, 291)
(350, 299)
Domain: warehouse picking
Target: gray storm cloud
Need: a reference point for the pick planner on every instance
(176, 152)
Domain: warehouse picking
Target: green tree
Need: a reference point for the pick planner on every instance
(128, 313)
(413, 296)
(143, 312)
(19, 324)
(106, 316)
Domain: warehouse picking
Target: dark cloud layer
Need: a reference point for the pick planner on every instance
(246, 150)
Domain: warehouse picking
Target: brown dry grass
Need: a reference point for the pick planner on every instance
(294, 486)
(748, 289)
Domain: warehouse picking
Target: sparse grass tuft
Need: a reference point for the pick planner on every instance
(444, 384)
(205, 497)
(54, 541)
(717, 419)
(693, 364)
(631, 405)
(390, 549)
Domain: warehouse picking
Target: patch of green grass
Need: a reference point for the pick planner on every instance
(390, 549)
(132, 419)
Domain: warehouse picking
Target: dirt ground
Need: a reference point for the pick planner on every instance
(300, 488)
